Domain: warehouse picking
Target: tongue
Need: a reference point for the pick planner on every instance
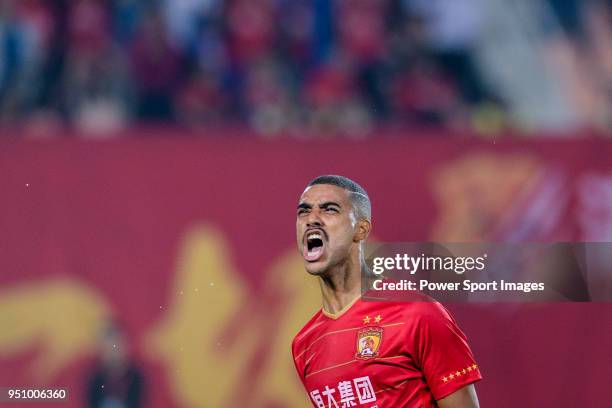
(312, 254)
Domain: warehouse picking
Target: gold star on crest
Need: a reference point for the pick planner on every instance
(366, 320)
(378, 318)
(474, 366)
(444, 379)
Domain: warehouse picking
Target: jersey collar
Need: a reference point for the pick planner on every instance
(339, 314)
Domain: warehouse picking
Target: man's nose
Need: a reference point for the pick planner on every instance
(314, 220)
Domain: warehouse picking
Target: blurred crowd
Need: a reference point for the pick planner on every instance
(274, 65)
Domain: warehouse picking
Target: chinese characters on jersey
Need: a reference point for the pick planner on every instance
(348, 394)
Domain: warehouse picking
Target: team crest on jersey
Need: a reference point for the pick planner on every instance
(368, 342)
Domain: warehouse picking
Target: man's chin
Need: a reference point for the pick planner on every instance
(317, 268)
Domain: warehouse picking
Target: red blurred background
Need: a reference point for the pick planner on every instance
(188, 246)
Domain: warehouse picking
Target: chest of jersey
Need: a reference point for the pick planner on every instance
(360, 361)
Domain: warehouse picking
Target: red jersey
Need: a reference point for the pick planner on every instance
(383, 355)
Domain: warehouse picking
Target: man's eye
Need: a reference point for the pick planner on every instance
(301, 211)
(331, 209)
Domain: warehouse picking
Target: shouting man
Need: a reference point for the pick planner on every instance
(354, 353)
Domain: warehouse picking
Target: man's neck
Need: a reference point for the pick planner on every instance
(341, 286)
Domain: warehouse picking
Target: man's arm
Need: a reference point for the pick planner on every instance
(462, 398)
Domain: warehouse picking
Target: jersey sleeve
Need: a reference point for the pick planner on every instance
(443, 352)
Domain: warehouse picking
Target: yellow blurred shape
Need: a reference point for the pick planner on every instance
(475, 192)
(223, 344)
(61, 318)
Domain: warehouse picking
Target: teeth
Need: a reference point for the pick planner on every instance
(315, 235)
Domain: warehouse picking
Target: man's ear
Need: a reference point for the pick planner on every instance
(363, 230)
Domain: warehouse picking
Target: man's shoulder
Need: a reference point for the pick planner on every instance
(306, 330)
(428, 309)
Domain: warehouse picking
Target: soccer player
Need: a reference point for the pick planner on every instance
(354, 353)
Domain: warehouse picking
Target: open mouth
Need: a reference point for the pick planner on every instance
(314, 245)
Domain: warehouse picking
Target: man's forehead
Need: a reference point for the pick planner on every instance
(324, 192)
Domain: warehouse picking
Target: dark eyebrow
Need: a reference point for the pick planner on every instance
(329, 203)
(304, 205)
